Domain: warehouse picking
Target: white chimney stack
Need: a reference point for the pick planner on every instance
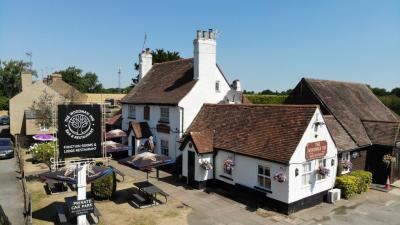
(236, 85)
(205, 57)
(145, 62)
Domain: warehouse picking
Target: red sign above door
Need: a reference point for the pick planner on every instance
(316, 150)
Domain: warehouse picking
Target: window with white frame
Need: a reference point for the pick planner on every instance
(164, 114)
(132, 112)
(43, 127)
(321, 163)
(306, 175)
(164, 147)
(264, 177)
(217, 86)
(345, 162)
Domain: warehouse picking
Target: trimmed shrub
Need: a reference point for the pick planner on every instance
(43, 152)
(266, 99)
(365, 179)
(104, 187)
(347, 184)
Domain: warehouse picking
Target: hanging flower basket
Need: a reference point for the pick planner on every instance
(387, 159)
(323, 171)
(280, 177)
(347, 165)
(229, 164)
(206, 165)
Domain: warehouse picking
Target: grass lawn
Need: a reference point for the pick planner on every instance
(115, 211)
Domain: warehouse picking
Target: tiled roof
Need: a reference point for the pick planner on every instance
(350, 104)
(115, 120)
(140, 129)
(270, 132)
(66, 90)
(341, 138)
(165, 84)
(382, 133)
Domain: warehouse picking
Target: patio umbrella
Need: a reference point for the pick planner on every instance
(68, 175)
(44, 137)
(147, 160)
(112, 146)
(117, 133)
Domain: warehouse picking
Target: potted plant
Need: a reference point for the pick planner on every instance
(280, 177)
(323, 171)
(387, 159)
(228, 165)
(206, 165)
(347, 165)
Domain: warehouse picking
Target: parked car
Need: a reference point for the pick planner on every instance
(6, 148)
(5, 120)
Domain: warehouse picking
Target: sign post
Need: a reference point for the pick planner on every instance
(80, 135)
(81, 190)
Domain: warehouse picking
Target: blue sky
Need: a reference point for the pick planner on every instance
(265, 44)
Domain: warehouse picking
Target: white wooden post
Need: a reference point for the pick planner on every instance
(81, 190)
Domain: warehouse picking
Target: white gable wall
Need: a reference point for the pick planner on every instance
(297, 190)
(203, 92)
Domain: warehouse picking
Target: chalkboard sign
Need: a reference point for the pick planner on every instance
(81, 207)
(79, 130)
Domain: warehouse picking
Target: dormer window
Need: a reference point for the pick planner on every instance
(132, 112)
(164, 114)
(217, 86)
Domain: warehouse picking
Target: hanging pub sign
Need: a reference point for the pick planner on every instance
(316, 150)
(79, 130)
(81, 207)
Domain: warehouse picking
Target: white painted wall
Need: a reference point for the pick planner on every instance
(200, 173)
(155, 113)
(246, 168)
(297, 190)
(203, 92)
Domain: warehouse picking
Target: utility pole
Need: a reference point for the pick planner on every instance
(119, 79)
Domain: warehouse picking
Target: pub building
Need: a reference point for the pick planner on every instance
(281, 154)
(362, 127)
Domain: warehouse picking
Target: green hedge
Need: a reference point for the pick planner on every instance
(266, 99)
(104, 187)
(347, 184)
(355, 182)
(365, 179)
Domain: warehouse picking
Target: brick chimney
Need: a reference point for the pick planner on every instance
(145, 62)
(236, 85)
(55, 76)
(26, 80)
(205, 57)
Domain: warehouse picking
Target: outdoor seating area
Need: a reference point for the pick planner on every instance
(55, 187)
(146, 195)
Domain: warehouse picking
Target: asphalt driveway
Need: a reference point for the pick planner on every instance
(11, 197)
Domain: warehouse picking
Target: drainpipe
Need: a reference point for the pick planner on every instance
(183, 114)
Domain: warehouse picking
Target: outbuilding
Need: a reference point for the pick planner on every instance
(283, 152)
(363, 128)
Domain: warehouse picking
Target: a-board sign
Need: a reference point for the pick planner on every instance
(316, 150)
(81, 207)
(79, 130)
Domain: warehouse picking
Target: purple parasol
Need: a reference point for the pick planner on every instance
(44, 137)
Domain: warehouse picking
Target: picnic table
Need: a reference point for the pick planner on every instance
(150, 189)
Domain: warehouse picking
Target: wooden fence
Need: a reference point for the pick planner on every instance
(27, 195)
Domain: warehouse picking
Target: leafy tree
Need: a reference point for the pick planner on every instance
(43, 108)
(86, 83)
(267, 92)
(3, 103)
(396, 91)
(159, 56)
(378, 91)
(10, 76)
